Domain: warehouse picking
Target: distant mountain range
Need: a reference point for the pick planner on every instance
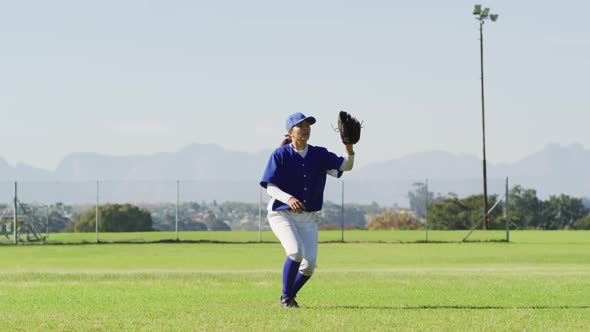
(209, 172)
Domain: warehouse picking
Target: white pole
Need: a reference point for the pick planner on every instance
(47, 221)
(507, 213)
(177, 203)
(342, 210)
(426, 212)
(15, 210)
(97, 211)
(260, 214)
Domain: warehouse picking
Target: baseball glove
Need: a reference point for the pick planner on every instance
(349, 128)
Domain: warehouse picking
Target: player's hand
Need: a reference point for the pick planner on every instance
(296, 205)
(349, 149)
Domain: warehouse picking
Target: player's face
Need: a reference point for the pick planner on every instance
(301, 131)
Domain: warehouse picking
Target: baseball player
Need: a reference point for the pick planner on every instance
(295, 177)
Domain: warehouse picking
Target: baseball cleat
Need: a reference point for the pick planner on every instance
(289, 303)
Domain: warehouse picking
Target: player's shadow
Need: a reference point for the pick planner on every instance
(460, 307)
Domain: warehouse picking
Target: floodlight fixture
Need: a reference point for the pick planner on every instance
(477, 10)
(482, 14)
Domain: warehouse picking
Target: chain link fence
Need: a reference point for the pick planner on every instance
(198, 211)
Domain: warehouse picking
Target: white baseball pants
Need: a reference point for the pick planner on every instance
(298, 233)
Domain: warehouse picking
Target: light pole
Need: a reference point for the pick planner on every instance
(481, 16)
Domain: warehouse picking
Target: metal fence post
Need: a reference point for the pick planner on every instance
(507, 213)
(342, 210)
(15, 211)
(177, 204)
(259, 214)
(97, 210)
(47, 221)
(426, 212)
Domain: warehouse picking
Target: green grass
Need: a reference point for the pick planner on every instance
(538, 282)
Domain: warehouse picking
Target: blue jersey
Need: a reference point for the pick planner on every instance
(302, 178)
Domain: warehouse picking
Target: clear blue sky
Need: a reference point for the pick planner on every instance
(138, 77)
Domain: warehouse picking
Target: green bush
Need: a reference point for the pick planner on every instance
(582, 223)
(115, 218)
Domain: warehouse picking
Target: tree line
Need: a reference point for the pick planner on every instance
(526, 211)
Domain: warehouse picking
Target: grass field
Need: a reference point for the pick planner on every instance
(537, 282)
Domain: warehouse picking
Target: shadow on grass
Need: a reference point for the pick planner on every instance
(459, 307)
(86, 243)
(418, 241)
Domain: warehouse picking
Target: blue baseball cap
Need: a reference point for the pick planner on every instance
(296, 118)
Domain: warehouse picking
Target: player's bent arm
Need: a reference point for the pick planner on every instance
(276, 193)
